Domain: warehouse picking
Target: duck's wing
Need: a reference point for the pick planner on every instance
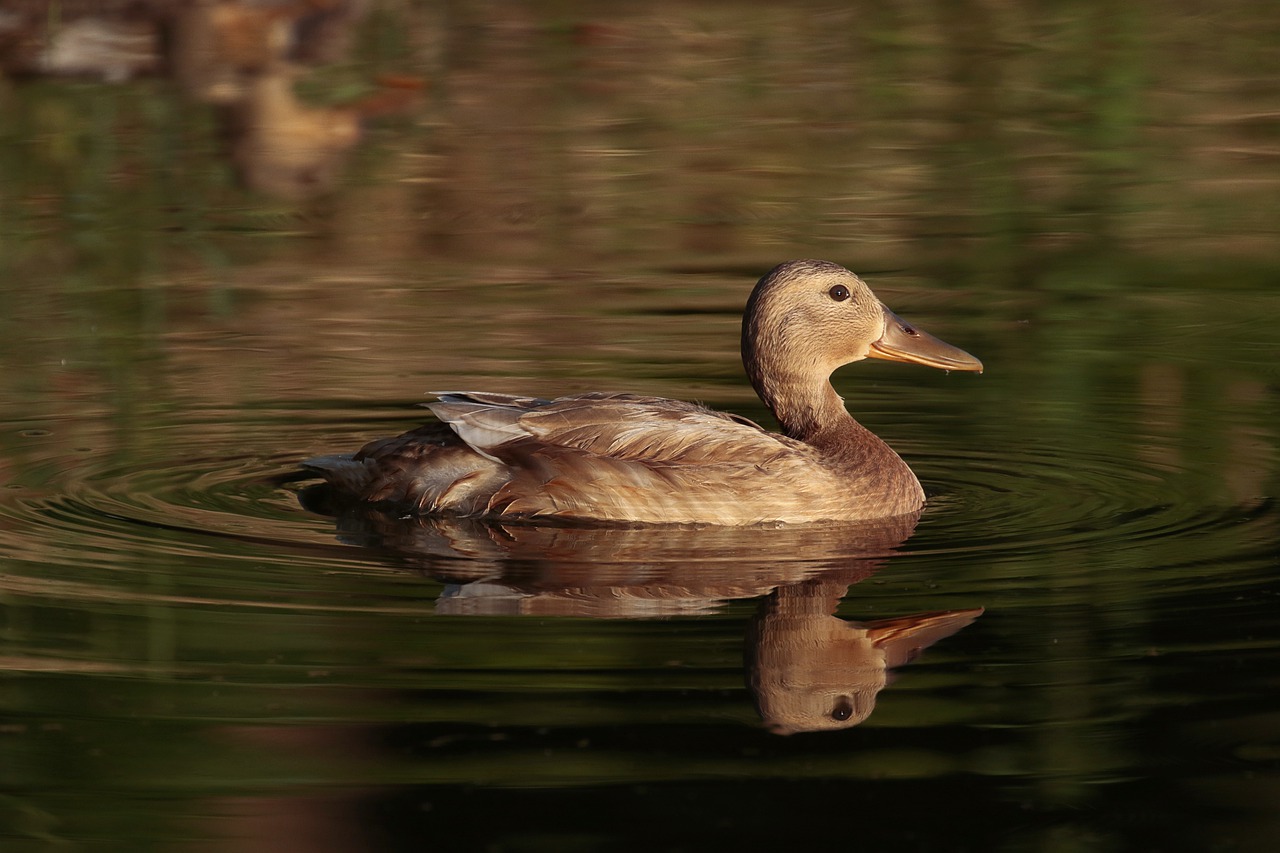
(598, 456)
(627, 457)
(653, 431)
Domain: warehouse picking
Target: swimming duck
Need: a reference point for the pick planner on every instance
(629, 458)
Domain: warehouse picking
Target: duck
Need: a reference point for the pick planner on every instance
(627, 458)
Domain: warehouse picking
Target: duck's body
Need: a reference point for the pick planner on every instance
(620, 457)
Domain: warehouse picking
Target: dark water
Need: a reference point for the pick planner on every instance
(1076, 647)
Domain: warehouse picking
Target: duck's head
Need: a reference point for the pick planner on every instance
(806, 318)
(810, 317)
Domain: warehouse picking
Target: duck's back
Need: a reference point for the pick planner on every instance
(615, 457)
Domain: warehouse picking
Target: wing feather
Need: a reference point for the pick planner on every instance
(592, 456)
(649, 430)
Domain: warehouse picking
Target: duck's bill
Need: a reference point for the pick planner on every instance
(902, 341)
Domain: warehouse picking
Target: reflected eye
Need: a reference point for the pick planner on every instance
(839, 293)
(843, 709)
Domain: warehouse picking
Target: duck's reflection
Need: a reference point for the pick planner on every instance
(807, 668)
(811, 670)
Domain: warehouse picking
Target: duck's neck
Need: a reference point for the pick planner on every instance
(807, 409)
(810, 410)
(792, 376)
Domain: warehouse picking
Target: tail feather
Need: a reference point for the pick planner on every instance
(340, 470)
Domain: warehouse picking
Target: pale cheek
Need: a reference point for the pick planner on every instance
(852, 352)
(856, 351)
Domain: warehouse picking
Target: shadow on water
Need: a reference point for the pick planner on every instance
(808, 670)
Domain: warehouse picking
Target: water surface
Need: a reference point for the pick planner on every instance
(199, 652)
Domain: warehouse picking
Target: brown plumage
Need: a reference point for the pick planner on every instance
(622, 457)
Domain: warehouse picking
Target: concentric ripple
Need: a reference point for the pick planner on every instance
(211, 512)
(216, 493)
(1039, 498)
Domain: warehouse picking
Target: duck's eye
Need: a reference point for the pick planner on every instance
(843, 709)
(839, 293)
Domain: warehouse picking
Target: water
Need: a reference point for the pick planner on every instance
(199, 651)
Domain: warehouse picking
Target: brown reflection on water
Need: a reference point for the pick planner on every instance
(811, 670)
(247, 60)
(723, 131)
(280, 822)
(808, 669)
(243, 59)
